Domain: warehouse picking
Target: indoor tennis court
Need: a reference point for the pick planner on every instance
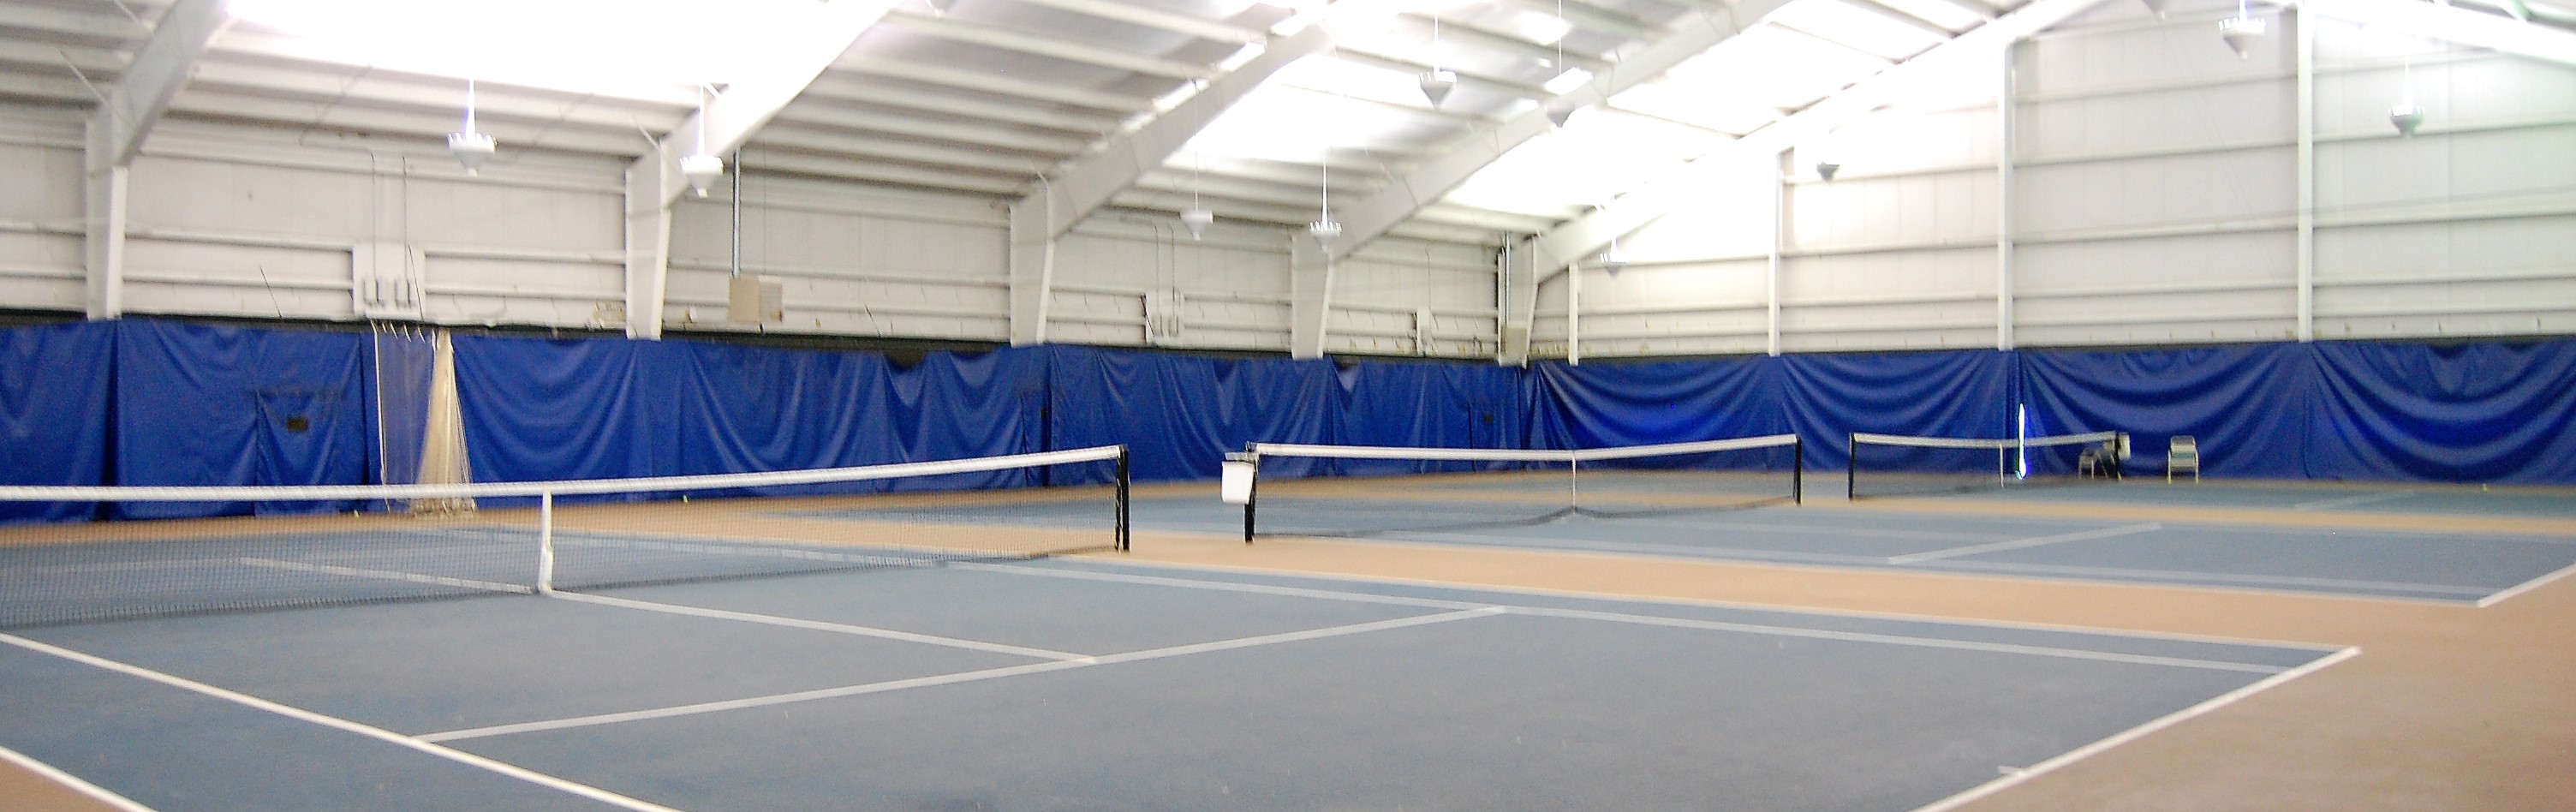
(1870, 405)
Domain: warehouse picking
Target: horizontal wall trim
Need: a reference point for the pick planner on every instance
(617, 258)
(17, 271)
(2540, 275)
(61, 227)
(1000, 219)
(502, 292)
(1186, 295)
(240, 240)
(2162, 290)
(2560, 308)
(133, 275)
(871, 309)
(502, 177)
(2431, 130)
(809, 272)
(2241, 317)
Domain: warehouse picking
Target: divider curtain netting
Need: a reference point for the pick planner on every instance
(420, 426)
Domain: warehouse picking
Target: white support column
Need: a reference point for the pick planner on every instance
(653, 182)
(2307, 180)
(1574, 315)
(2007, 107)
(1310, 296)
(1779, 240)
(115, 132)
(1520, 303)
(103, 247)
(1032, 259)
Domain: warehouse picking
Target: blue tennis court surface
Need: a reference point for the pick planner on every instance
(2454, 566)
(1075, 684)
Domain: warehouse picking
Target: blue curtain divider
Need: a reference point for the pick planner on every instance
(151, 402)
(57, 387)
(217, 405)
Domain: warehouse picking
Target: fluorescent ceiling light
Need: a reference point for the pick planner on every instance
(1566, 82)
(641, 49)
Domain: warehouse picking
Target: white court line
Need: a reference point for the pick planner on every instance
(72, 782)
(1904, 640)
(2216, 578)
(1220, 586)
(2526, 586)
(2035, 541)
(1590, 545)
(2349, 501)
(369, 731)
(952, 679)
(816, 625)
(2288, 584)
(388, 575)
(2132, 734)
(1652, 620)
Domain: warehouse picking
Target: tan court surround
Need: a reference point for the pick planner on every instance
(2448, 707)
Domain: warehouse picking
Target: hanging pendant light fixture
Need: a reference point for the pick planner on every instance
(1560, 112)
(1612, 260)
(2406, 115)
(470, 147)
(701, 168)
(1196, 218)
(2242, 30)
(1324, 229)
(1437, 82)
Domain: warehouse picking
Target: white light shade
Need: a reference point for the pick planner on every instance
(470, 148)
(2240, 33)
(1196, 219)
(1324, 230)
(1436, 85)
(1826, 169)
(702, 170)
(1561, 113)
(2407, 117)
(1614, 261)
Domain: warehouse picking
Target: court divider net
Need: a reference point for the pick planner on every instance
(1340, 490)
(291, 546)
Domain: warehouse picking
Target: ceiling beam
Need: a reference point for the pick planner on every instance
(155, 75)
(948, 29)
(1589, 233)
(1199, 27)
(1375, 215)
(653, 182)
(1091, 181)
(2457, 25)
(116, 130)
(998, 85)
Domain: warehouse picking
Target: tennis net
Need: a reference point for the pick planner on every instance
(1368, 490)
(1899, 465)
(319, 545)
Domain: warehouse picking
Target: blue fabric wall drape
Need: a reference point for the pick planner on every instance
(56, 418)
(215, 405)
(2249, 406)
(152, 402)
(2486, 412)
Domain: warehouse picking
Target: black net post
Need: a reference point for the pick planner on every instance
(1798, 472)
(1851, 470)
(1123, 531)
